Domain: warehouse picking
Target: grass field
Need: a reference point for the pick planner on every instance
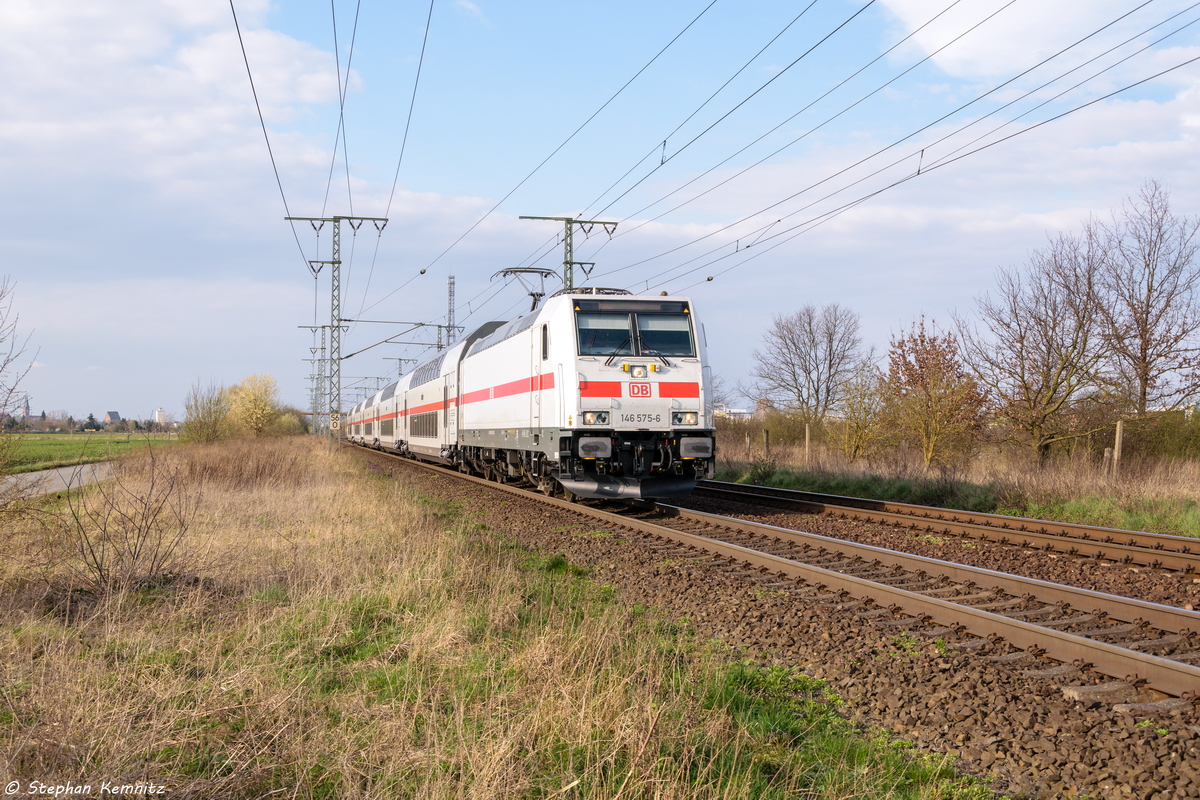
(49, 450)
(314, 630)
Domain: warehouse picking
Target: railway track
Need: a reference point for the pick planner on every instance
(971, 608)
(1155, 551)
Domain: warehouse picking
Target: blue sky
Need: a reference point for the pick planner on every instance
(144, 230)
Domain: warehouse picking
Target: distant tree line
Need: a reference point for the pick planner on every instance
(249, 409)
(62, 422)
(1097, 326)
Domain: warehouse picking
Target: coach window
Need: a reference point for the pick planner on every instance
(545, 342)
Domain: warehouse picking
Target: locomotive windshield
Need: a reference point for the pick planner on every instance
(608, 328)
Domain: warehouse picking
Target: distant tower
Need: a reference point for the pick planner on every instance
(160, 416)
(27, 413)
(450, 316)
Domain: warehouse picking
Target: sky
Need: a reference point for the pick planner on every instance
(886, 155)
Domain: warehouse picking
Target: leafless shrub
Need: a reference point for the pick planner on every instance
(207, 409)
(133, 528)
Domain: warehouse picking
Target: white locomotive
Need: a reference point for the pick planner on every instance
(597, 393)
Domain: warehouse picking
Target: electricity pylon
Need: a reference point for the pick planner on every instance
(569, 262)
(335, 303)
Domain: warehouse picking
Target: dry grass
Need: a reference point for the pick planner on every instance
(1160, 495)
(337, 637)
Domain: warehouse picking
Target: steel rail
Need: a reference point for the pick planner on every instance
(1156, 551)
(1165, 675)
(1124, 609)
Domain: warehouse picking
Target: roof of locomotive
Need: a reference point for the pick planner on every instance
(505, 330)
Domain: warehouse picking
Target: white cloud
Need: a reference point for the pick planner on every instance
(124, 105)
(471, 9)
(1018, 36)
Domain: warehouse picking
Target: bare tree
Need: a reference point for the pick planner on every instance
(1150, 279)
(13, 369)
(806, 360)
(863, 409)
(1043, 349)
(931, 395)
(207, 413)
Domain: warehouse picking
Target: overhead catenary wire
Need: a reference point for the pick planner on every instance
(266, 137)
(827, 93)
(763, 230)
(747, 99)
(556, 150)
(699, 108)
(878, 152)
(1077, 85)
(343, 87)
(800, 228)
(772, 238)
(741, 103)
(412, 103)
(686, 120)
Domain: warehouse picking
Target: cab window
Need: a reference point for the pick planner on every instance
(604, 333)
(637, 331)
(665, 335)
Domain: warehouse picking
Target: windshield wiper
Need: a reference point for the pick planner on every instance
(656, 354)
(616, 352)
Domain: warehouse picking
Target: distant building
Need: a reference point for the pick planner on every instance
(160, 416)
(111, 417)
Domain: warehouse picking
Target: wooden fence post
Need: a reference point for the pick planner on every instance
(1116, 462)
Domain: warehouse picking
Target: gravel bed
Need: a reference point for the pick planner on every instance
(1020, 732)
(1155, 586)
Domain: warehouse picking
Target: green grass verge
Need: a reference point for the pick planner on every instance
(1178, 515)
(939, 492)
(48, 451)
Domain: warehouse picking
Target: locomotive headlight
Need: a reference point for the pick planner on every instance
(636, 370)
(684, 417)
(595, 418)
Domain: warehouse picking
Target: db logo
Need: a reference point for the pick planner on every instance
(639, 390)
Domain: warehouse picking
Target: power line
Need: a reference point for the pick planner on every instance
(263, 123)
(566, 141)
(411, 104)
(698, 109)
(801, 228)
(340, 135)
(747, 99)
(854, 75)
(396, 178)
(882, 150)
